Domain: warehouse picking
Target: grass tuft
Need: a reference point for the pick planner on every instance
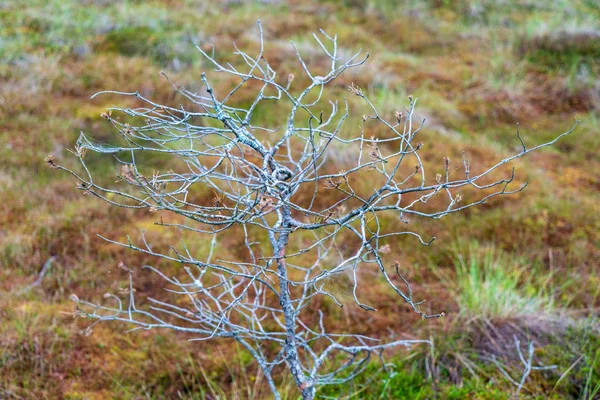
(495, 286)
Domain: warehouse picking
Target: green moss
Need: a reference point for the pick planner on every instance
(132, 40)
(563, 49)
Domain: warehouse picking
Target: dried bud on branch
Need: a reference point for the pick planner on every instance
(121, 265)
(446, 161)
(324, 218)
(265, 202)
(466, 165)
(398, 116)
(355, 90)
(49, 160)
(385, 249)
(128, 173)
(218, 200)
(332, 183)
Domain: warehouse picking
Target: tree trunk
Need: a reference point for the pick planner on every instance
(306, 387)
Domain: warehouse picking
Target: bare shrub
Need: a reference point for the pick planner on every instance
(302, 224)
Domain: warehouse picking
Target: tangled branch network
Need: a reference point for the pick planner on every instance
(276, 189)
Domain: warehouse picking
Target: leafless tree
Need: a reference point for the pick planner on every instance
(275, 182)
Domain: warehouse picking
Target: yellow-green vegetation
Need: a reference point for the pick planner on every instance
(498, 287)
(476, 67)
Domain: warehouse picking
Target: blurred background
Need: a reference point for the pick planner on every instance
(524, 265)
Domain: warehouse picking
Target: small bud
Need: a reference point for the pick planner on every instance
(325, 218)
(85, 187)
(122, 266)
(355, 90)
(458, 198)
(291, 78)
(446, 162)
(385, 249)
(438, 178)
(128, 173)
(332, 183)
(364, 117)
(218, 201)
(49, 160)
(107, 295)
(410, 99)
(398, 116)
(344, 175)
(74, 298)
(81, 151)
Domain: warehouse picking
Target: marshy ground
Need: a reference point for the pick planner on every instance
(524, 265)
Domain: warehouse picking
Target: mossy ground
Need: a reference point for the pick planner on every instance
(477, 68)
